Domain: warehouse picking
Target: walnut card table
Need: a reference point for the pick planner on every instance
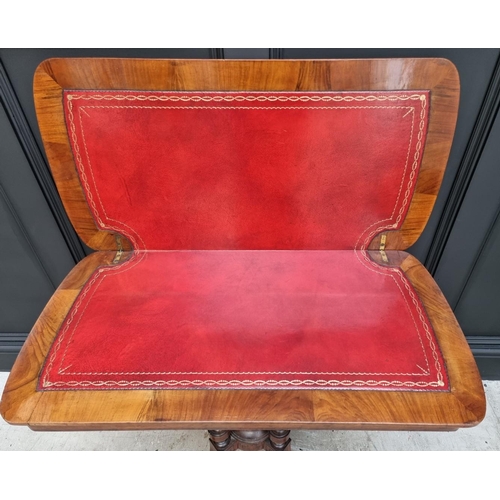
(249, 221)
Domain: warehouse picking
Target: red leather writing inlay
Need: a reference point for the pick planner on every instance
(243, 170)
(246, 319)
(250, 214)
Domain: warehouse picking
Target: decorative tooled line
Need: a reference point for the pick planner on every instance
(100, 273)
(240, 373)
(103, 272)
(398, 219)
(428, 334)
(83, 177)
(250, 382)
(416, 157)
(68, 321)
(136, 258)
(395, 225)
(243, 98)
(250, 108)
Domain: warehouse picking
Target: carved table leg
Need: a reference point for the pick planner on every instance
(249, 440)
(220, 440)
(279, 440)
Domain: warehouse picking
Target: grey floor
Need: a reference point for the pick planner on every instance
(485, 436)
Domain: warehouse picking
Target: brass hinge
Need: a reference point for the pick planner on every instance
(118, 255)
(383, 240)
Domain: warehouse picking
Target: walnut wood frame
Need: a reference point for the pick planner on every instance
(250, 409)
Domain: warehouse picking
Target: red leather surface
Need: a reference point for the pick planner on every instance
(250, 214)
(247, 170)
(246, 319)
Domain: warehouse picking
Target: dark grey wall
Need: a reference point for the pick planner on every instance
(459, 246)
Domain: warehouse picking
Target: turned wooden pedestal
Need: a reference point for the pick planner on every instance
(250, 440)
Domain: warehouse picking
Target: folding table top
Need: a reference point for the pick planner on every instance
(248, 217)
